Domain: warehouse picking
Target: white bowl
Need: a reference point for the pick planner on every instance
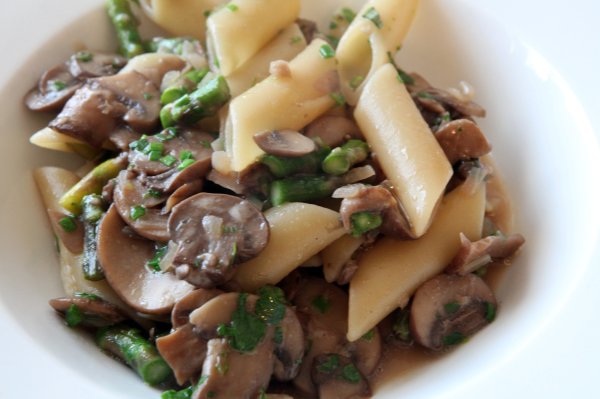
(534, 66)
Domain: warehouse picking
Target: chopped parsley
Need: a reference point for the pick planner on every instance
(351, 374)
(153, 193)
(334, 40)
(372, 15)
(84, 56)
(246, 330)
(338, 98)
(348, 14)
(270, 306)
(356, 81)
(137, 212)
(330, 365)
(321, 303)
(451, 307)
(68, 224)
(57, 85)
(453, 338)
(490, 311)
(333, 25)
(159, 253)
(327, 51)
(185, 393)
(232, 7)
(73, 315)
(369, 335)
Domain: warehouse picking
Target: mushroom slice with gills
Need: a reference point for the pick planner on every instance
(90, 310)
(228, 373)
(462, 139)
(212, 233)
(374, 200)
(250, 321)
(88, 64)
(178, 145)
(132, 203)
(473, 255)
(184, 351)
(333, 130)
(326, 307)
(183, 192)
(284, 143)
(124, 258)
(338, 378)
(54, 88)
(102, 104)
(180, 315)
(449, 308)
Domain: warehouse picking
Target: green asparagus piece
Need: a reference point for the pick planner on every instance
(364, 221)
(92, 183)
(183, 85)
(341, 159)
(201, 103)
(302, 188)
(285, 166)
(125, 25)
(93, 209)
(128, 344)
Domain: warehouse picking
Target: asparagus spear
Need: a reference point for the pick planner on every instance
(285, 166)
(125, 25)
(128, 344)
(93, 209)
(203, 102)
(341, 159)
(92, 183)
(364, 221)
(183, 85)
(302, 188)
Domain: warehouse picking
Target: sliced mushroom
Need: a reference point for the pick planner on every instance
(73, 240)
(284, 143)
(184, 351)
(377, 199)
(54, 88)
(232, 374)
(462, 139)
(183, 192)
(449, 308)
(129, 195)
(333, 130)
(180, 315)
(97, 108)
(213, 232)
(325, 306)
(124, 257)
(473, 255)
(338, 378)
(59, 83)
(95, 311)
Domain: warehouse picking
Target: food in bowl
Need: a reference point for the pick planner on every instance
(263, 211)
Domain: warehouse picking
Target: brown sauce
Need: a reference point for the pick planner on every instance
(400, 362)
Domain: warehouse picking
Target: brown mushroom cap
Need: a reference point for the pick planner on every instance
(212, 233)
(97, 108)
(448, 308)
(54, 88)
(338, 378)
(128, 193)
(123, 257)
(184, 351)
(88, 64)
(462, 139)
(333, 130)
(284, 143)
(96, 311)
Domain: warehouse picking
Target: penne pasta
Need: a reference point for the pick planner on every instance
(236, 32)
(288, 44)
(289, 246)
(408, 153)
(181, 17)
(390, 272)
(376, 32)
(280, 103)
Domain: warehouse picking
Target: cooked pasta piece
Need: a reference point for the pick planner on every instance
(280, 103)
(239, 30)
(390, 272)
(409, 154)
(288, 44)
(376, 33)
(181, 17)
(289, 244)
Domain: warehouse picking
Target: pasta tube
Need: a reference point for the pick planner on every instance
(408, 153)
(377, 31)
(239, 30)
(390, 272)
(289, 102)
(289, 246)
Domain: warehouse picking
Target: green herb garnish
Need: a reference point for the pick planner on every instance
(73, 315)
(246, 330)
(326, 51)
(321, 303)
(372, 15)
(137, 212)
(68, 224)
